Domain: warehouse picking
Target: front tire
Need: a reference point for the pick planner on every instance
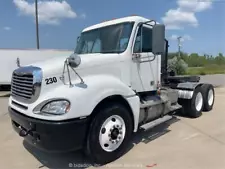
(109, 134)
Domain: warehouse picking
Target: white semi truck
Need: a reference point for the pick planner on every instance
(115, 81)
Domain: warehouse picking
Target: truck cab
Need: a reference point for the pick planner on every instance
(119, 42)
(101, 94)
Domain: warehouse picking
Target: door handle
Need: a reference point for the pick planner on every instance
(136, 57)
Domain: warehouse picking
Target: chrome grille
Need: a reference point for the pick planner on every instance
(22, 85)
(26, 83)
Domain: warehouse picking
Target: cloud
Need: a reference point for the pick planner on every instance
(183, 38)
(194, 5)
(174, 37)
(176, 18)
(49, 12)
(185, 13)
(6, 28)
(186, 37)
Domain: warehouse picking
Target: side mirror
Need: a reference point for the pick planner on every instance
(158, 39)
(74, 60)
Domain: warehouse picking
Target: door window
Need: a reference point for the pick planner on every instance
(143, 42)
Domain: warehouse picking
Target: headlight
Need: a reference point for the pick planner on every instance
(56, 107)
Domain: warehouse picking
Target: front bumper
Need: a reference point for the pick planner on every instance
(53, 136)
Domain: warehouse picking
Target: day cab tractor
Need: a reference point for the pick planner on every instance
(98, 97)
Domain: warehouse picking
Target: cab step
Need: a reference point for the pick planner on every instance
(156, 122)
(175, 107)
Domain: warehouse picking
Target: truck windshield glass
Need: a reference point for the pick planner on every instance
(109, 39)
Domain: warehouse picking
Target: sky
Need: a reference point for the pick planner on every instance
(200, 23)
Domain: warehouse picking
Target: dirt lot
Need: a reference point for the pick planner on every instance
(182, 143)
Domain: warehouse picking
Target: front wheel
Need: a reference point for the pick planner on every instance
(109, 134)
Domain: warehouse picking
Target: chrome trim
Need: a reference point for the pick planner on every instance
(23, 81)
(185, 94)
(26, 84)
(18, 90)
(19, 105)
(24, 88)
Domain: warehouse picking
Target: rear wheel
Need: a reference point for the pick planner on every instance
(208, 96)
(193, 107)
(109, 134)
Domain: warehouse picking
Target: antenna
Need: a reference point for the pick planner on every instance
(37, 26)
(179, 45)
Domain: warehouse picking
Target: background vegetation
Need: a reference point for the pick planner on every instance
(194, 64)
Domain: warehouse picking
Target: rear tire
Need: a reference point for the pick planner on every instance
(109, 134)
(193, 107)
(208, 96)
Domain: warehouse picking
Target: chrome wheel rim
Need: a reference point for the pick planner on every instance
(112, 133)
(210, 97)
(198, 101)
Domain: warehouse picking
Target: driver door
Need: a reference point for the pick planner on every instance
(145, 68)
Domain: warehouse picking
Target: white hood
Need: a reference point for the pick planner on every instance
(54, 66)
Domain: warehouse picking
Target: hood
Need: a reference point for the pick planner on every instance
(55, 65)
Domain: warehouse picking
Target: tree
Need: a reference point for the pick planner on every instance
(196, 60)
(220, 60)
(179, 66)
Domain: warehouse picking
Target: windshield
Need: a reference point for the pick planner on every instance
(109, 39)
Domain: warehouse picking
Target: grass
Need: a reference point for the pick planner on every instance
(210, 69)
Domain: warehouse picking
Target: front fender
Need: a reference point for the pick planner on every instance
(85, 97)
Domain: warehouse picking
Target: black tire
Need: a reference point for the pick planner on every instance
(207, 106)
(93, 148)
(190, 107)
